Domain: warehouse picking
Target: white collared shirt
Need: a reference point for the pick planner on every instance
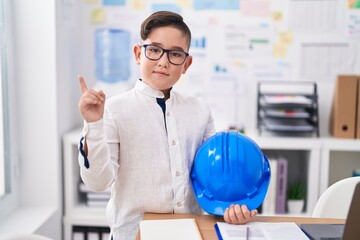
(146, 162)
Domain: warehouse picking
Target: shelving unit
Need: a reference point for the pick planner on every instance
(304, 161)
(313, 159)
(288, 108)
(76, 213)
(339, 158)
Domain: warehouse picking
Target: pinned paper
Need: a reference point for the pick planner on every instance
(114, 2)
(280, 50)
(259, 8)
(353, 23)
(184, 3)
(277, 16)
(137, 4)
(281, 46)
(97, 15)
(216, 5)
(286, 37)
(92, 1)
(166, 7)
(354, 4)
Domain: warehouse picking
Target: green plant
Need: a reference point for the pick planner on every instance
(296, 191)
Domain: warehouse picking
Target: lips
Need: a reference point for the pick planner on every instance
(161, 73)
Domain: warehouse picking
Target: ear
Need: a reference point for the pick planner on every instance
(137, 53)
(187, 64)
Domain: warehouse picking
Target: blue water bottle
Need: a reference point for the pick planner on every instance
(112, 54)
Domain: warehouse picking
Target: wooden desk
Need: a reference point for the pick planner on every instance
(206, 222)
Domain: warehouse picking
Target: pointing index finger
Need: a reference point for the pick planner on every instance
(83, 86)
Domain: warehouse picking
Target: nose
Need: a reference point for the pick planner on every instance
(164, 61)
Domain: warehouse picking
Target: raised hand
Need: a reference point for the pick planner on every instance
(237, 214)
(91, 103)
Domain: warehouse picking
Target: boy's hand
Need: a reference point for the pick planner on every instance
(237, 214)
(91, 103)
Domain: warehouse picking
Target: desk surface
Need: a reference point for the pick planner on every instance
(206, 222)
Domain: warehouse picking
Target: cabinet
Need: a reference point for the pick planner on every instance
(318, 161)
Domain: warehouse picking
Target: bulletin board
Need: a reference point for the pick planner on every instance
(235, 44)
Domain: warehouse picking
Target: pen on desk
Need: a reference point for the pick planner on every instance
(247, 233)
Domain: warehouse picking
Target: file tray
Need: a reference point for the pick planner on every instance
(288, 108)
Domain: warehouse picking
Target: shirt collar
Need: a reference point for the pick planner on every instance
(147, 90)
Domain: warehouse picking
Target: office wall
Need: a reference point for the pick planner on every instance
(235, 45)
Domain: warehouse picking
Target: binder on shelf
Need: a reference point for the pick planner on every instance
(281, 185)
(78, 236)
(358, 110)
(79, 233)
(343, 121)
(105, 236)
(90, 233)
(93, 235)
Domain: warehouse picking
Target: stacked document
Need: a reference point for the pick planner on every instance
(260, 231)
(286, 100)
(287, 125)
(285, 113)
(95, 199)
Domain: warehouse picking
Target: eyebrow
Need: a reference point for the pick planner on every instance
(172, 48)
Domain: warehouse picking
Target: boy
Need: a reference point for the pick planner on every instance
(143, 142)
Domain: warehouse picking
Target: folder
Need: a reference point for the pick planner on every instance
(358, 110)
(281, 185)
(343, 113)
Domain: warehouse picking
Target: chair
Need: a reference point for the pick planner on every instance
(336, 200)
(23, 237)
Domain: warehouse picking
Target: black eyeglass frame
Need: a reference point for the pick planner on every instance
(164, 51)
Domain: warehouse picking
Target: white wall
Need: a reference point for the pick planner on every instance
(36, 90)
(45, 106)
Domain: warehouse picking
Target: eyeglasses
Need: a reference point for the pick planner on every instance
(154, 53)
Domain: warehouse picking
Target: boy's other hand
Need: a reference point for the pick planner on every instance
(236, 214)
(91, 103)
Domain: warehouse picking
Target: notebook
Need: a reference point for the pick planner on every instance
(348, 231)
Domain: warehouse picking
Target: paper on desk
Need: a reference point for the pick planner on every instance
(262, 231)
(174, 229)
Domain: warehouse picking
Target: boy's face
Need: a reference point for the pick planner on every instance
(161, 74)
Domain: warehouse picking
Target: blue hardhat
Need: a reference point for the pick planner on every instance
(229, 168)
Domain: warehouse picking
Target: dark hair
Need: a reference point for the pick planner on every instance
(163, 19)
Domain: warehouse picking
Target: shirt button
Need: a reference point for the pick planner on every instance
(173, 142)
(178, 204)
(168, 114)
(177, 173)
